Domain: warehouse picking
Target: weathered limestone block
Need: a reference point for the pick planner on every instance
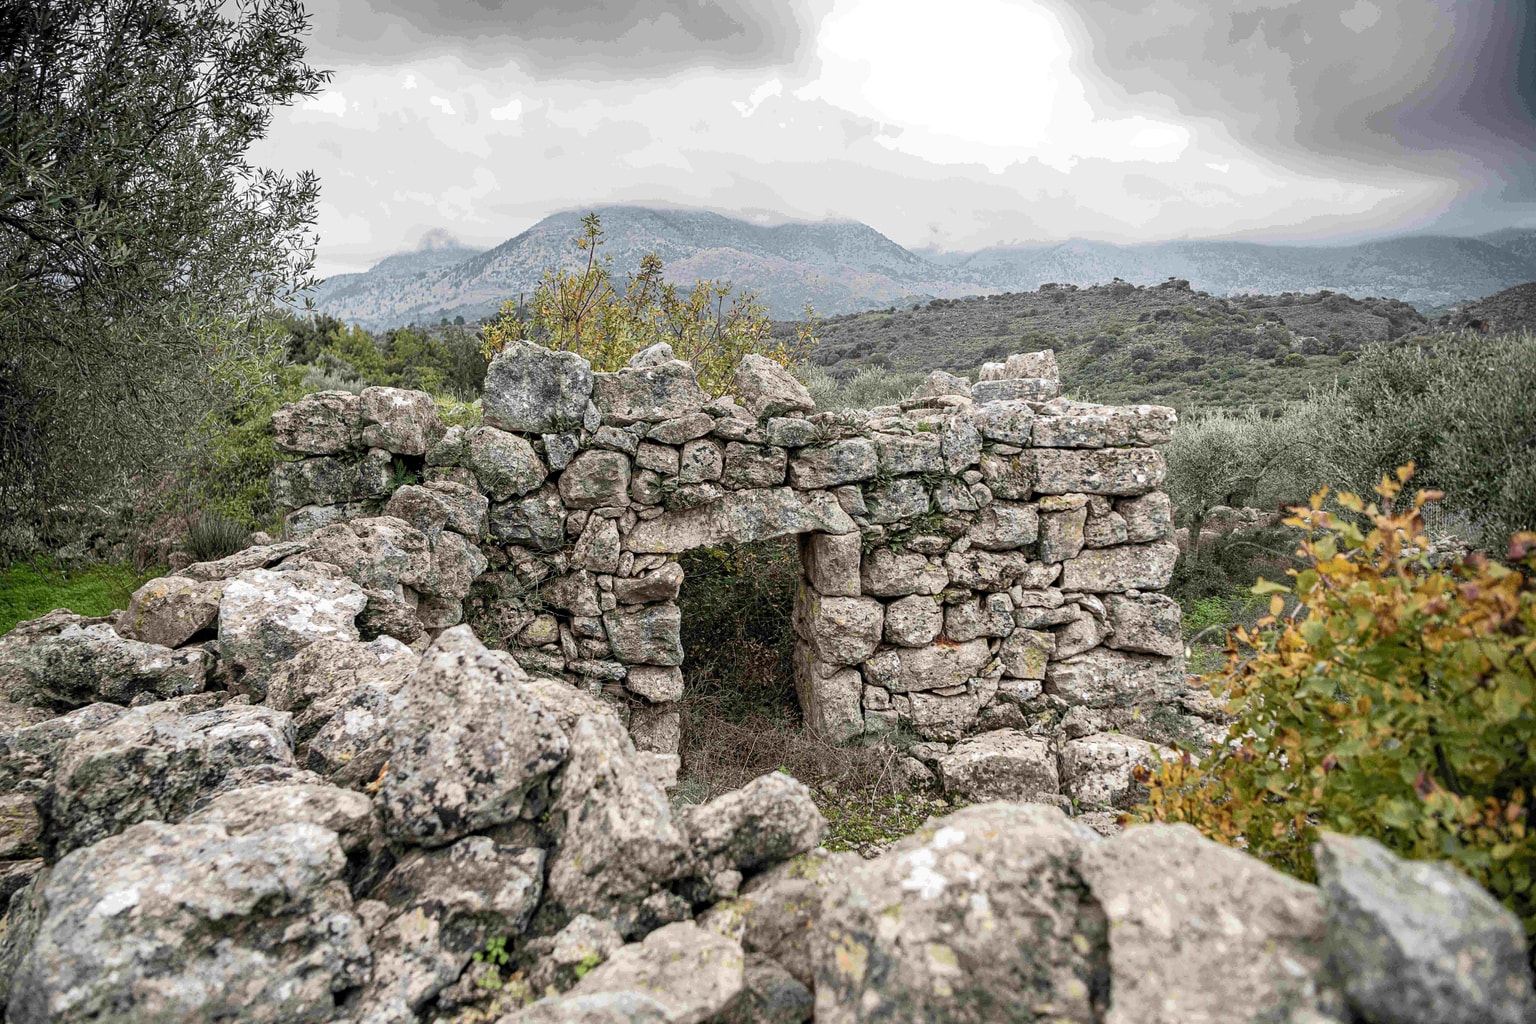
(990, 615)
(505, 465)
(700, 461)
(649, 634)
(1083, 632)
(456, 564)
(939, 383)
(1147, 518)
(441, 505)
(575, 593)
(1067, 424)
(535, 520)
(1014, 389)
(839, 630)
(1039, 365)
(617, 439)
(767, 821)
(170, 611)
(1004, 764)
(323, 480)
(767, 389)
(661, 584)
(887, 573)
(560, 449)
(1008, 422)
(1418, 940)
(1249, 939)
(996, 570)
(951, 713)
(903, 498)
(842, 462)
(1103, 678)
(648, 394)
(596, 479)
(960, 443)
(378, 553)
(375, 474)
(901, 454)
(790, 432)
(1107, 471)
(656, 683)
(399, 421)
(992, 914)
(465, 743)
(740, 517)
(935, 667)
(658, 458)
(266, 617)
(1025, 653)
(687, 974)
(1011, 477)
(83, 664)
(324, 423)
(682, 429)
(830, 697)
(1151, 623)
(750, 465)
(1096, 771)
(1061, 534)
(832, 563)
(1128, 567)
(914, 621)
(598, 547)
(536, 390)
(1105, 531)
(1004, 526)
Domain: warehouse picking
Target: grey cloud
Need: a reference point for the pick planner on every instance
(596, 39)
(1439, 87)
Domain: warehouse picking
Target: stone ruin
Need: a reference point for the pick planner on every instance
(979, 558)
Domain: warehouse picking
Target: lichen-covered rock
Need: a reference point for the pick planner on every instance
(1199, 931)
(1149, 623)
(1098, 771)
(444, 904)
(693, 974)
(935, 667)
(775, 914)
(656, 683)
(646, 634)
(466, 745)
(1061, 534)
(593, 1008)
(990, 615)
(323, 423)
(1147, 518)
(839, 630)
(617, 841)
(1005, 526)
(322, 480)
(740, 517)
(1107, 678)
(750, 465)
(535, 520)
(829, 695)
(769, 995)
(842, 462)
(913, 621)
(1015, 389)
(663, 583)
(831, 563)
(533, 389)
(315, 684)
(896, 500)
(505, 465)
(1128, 567)
(887, 573)
(1067, 424)
(170, 611)
(1024, 653)
(439, 505)
(399, 421)
(188, 922)
(767, 389)
(267, 617)
(901, 454)
(1007, 422)
(770, 819)
(83, 664)
(1413, 941)
(594, 479)
(978, 917)
(380, 553)
(648, 394)
(1107, 471)
(1004, 764)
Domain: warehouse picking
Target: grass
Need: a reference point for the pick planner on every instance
(29, 591)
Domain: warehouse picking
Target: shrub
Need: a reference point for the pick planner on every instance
(216, 536)
(584, 312)
(1380, 697)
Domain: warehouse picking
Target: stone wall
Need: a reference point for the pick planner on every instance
(980, 557)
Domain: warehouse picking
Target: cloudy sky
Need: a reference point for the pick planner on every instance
(948, 123)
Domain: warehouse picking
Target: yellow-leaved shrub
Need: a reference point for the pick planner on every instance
(1382, 696)
(585, 312)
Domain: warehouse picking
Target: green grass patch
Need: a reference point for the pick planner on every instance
(859, 821)
(27, 591)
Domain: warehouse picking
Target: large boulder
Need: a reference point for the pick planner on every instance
(505, 465)
(466, 745)
(767, 389)
(187, 922)
(381, 553)
(1202, 932)
(1004, 764)
(1414, 941)
(324, 423)
(1108, 471)
(399, 421)
(691, 973)
(739, 517)
(439, 505)
(770, 819)
(978, 917)
(266, 617)
(316, 683)
(1098, 771)
(536, 390)
(170, 611)
(648, 394)
(83, 664)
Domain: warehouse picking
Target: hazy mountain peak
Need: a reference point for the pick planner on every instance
(439, 240)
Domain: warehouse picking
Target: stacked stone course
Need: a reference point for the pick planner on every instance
(979, 557)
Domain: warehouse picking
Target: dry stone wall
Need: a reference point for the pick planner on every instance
(981, 557)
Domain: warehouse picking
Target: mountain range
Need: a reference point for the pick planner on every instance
(847, 266)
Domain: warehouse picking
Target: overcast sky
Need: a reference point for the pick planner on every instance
(949, 123)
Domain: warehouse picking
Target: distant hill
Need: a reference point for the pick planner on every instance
(845, 266)
(1513, 309)
(1426, 270)
(1126, 343)
(837, 266)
